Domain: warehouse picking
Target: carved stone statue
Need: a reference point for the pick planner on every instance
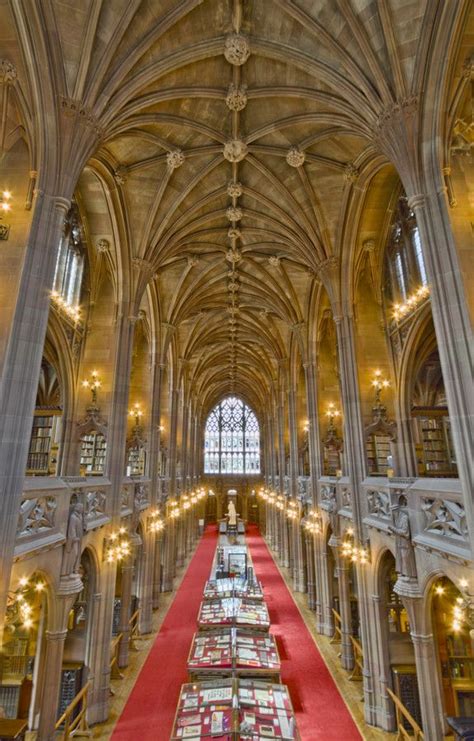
(333, 517)
(72, 548)
(405, 563)
(232, 514)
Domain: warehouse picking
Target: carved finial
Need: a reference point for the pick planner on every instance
(174, 159)
(236, 98)
(235, 150)
(236, 49)
(295, 157)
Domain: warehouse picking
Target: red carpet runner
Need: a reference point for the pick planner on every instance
(149, 711)
(150, 708)
(321, 713)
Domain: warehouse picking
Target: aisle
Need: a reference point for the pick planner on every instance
(150, 708)
(321, 713)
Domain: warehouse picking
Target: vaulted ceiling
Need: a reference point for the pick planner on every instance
(236, 137)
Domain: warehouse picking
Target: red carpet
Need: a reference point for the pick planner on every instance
(150, 708)
(320, 710)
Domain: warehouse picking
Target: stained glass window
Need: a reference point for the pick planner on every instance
(232, 439)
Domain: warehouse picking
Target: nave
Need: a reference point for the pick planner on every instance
(319, 709)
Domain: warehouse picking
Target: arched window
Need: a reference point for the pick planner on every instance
(70, 262)
(232, 439)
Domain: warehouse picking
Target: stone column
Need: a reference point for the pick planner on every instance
(426, 660)
(147, 578)
(21, 368)
(347, 657)
(311, 586)
(125, 610)
(168, 555)
(313, 433)
(157, 570)
(354, 449)
(53, 661)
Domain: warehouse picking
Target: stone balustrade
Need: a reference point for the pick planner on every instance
(46, 503)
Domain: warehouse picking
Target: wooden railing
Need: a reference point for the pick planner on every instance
(114, 652)
(356, 673)
(337, 636)
(402, 714)
(133, 625)
(75, 724)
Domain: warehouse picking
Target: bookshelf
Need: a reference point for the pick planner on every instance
(93, 452)
(44, 443)
(136, 461)
(377, 450)
(332, 460)
(434, 448)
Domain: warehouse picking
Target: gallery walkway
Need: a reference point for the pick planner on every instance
(320, 710)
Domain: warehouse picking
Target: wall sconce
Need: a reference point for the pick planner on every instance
(155, 523)
(379, 383)
(313, 522)
(306, 426)
(354, 552)
(463, 607)
(93, 383)
(118, 546)
(332, 413)
(401, 310)
(5, 207)
(136, 412)
(19, 608)
(161, 428)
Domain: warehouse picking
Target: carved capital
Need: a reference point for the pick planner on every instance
(8, 73)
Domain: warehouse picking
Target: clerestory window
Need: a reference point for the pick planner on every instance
(232, 439)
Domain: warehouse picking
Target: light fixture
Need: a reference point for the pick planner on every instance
(313, 522)
(73, 312)
(401, 310)
(19, 608)
(379, 383)
(136, 412)
(5, 207)
(93, 383)
(117, 546)
(156, 524)
(332, 413)
(354, 552)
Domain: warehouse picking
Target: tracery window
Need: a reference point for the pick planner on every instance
(405, 264)
(70, 262)
(232, 439)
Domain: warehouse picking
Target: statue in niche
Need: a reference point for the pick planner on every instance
(333, 516)
(405, 564)
(72, 549)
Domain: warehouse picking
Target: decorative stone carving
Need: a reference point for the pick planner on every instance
(234, 190)
(347, 498)
(233, 255)
(328, 493)
(234, 213)
(405, 563)
(234, 233)
(444, 517)
(236, 98)
(125, 498)
(143, 265)
(120, 175)
(8, 73)
(236, 49)
(192, 261)
(233, 286)
(295, 157)
(379, 503)
(235, 150)
(96, 502)
(274, 261)
(4, 231)
(35, 515)
(72, 548)
(103, 245)
(351, 173)
(174, 159)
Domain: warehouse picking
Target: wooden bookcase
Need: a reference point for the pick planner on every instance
(93, 452)
(377, 450)
(44, 442)
(136, 461)
(434, 448)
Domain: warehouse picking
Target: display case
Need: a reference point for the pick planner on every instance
(93, 452)
(233, 652)
(233, 710)
(233, 587)
(232, 611)
(44, 442)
